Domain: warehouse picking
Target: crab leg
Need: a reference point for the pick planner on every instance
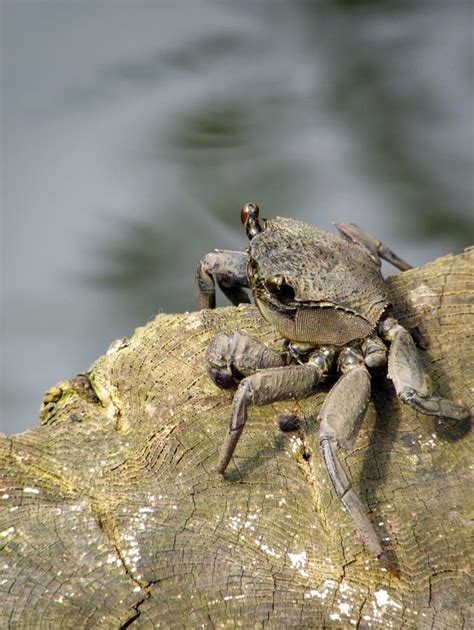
(230, 271)
(262, 388)
(375, 352)
(406, 372)
(376, 248)
(341, 417)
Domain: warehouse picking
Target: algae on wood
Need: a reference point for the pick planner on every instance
(112, 514)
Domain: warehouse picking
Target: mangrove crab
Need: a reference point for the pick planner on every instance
(327, 298)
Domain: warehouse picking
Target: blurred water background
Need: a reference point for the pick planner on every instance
(132, 133)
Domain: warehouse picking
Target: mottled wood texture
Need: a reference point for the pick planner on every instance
(111, 513)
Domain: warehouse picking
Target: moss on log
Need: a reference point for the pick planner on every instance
(112, 514)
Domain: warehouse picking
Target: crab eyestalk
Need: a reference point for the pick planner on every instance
(249, 218)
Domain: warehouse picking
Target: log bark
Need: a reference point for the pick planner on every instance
(112, 514)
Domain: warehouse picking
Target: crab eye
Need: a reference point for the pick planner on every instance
(274, 283)
(249, 211)
(277, 286)
(249, 218)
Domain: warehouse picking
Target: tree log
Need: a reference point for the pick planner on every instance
(112, 514)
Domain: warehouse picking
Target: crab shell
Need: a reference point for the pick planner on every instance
(339, 291)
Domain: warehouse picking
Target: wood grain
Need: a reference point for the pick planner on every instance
(112, 514)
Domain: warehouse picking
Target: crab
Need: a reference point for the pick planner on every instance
(327, 298)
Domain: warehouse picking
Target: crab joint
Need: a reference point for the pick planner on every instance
(322, 359)
(349, 358)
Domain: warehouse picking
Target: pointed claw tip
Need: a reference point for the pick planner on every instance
(388, 565)
(221, 468)
(394, 572)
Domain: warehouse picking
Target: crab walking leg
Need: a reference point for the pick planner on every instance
(230, 270)
(262, 388)
(355, 234)
(406, 372)
(341, 417)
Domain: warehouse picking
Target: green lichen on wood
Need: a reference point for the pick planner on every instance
(111, 512)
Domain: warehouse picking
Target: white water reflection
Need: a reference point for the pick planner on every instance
(132, 133)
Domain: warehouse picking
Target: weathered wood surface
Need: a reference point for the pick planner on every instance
(112, 514)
